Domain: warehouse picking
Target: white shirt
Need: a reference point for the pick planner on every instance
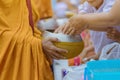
(99, 39)
(60, 9)
(75, 2)
(111, 51)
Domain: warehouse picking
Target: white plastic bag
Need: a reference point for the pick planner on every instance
(64, 72)
(58, 67)
(111, 51)
(77, 73)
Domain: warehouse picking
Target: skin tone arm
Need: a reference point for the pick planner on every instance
(94, 21)
(104, 19)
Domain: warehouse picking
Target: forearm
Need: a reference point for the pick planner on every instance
(101, 21)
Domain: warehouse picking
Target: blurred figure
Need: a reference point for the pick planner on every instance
(64, 6)
(60, 9)
(112, 51)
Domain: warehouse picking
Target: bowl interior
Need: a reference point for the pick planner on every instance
(62, 37)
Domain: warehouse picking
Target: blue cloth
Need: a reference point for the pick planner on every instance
(54, 4)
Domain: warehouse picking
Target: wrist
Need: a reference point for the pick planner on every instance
(84, 21)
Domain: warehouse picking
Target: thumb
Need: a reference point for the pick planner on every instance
(53, 39)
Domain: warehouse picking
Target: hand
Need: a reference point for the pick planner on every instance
(112, 33)
(75, 25)
(63, 28)
(95, 57)
(52, 51)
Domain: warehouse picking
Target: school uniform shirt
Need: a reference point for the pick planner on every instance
(99, 39)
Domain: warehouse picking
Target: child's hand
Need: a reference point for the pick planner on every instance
(113, 34)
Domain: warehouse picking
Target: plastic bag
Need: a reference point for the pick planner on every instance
(111, 51)
(58, 67)
(77, 73)
(64, 72)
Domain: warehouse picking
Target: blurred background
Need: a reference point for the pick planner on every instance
(62, 7)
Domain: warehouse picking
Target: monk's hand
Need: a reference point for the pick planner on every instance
(75, 25)
(52, 51)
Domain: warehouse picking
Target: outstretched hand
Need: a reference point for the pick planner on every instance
(74, 26)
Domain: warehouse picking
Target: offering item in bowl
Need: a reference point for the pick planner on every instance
(74, 44)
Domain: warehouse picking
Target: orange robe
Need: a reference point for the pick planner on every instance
(21, 55)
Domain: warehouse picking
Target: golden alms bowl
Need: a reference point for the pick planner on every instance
(74, 44)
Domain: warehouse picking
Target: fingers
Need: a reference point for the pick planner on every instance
(57, 30)
(60, 29)
(70, 31)
(51, 50)
(54, 55)
(66, 29)
(59, 50)
(52, 39)
(74, 26)
(49, 40)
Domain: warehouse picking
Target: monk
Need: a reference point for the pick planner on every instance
(23, 53)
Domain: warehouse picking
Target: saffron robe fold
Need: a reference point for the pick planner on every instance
(21, 55)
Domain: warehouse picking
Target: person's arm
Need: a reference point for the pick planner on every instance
(94, 21)
(102, 20)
